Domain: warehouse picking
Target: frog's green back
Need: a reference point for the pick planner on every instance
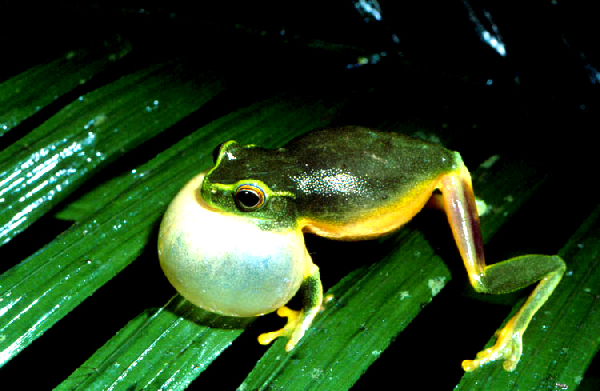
(349, 172)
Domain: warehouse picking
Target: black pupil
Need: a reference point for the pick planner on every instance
(247, 198)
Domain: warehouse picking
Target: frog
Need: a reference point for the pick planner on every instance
(232, 241)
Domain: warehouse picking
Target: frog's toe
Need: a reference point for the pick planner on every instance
(267, 338)
(509, 347)
(293, 320)
(297, 323)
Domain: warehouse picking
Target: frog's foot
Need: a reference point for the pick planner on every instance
(290, 329)
(297, 324)
(509, 347)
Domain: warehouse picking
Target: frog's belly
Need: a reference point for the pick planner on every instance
(373, 223)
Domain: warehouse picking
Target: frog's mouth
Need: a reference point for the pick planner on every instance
(223, 262)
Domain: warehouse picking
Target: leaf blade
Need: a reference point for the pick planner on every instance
(49, 163)
(22, 96)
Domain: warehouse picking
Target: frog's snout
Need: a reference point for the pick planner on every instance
(223, 262)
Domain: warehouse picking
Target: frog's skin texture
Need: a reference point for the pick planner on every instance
(232, 240)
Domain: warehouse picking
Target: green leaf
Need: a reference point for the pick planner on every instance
(46, 165)
(159, 349)
(25, 94)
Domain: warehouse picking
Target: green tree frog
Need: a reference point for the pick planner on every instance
(232, 240)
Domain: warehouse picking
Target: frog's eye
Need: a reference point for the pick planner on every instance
(216, 152)
(249, 197)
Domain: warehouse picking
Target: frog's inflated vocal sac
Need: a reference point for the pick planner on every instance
(232, 240)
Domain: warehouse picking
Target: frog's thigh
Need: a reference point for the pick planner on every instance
(299, 321)
(461, 210)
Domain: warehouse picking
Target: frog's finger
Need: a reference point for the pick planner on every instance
(299, 321)
(292, 323)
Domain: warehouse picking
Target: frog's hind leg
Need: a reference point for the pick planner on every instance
(503, 277)
(299, 321)
(460, 207)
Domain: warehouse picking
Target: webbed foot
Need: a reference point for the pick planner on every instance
(509, 347)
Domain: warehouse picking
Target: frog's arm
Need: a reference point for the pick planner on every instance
(299, 321)
(503, 277)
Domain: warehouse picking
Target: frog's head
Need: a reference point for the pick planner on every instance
(225, 262)
(229, 241)
(248, 181)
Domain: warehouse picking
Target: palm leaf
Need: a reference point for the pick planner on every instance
(110, 157)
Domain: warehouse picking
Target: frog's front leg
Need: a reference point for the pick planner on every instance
(503, 277)
(299, 321)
